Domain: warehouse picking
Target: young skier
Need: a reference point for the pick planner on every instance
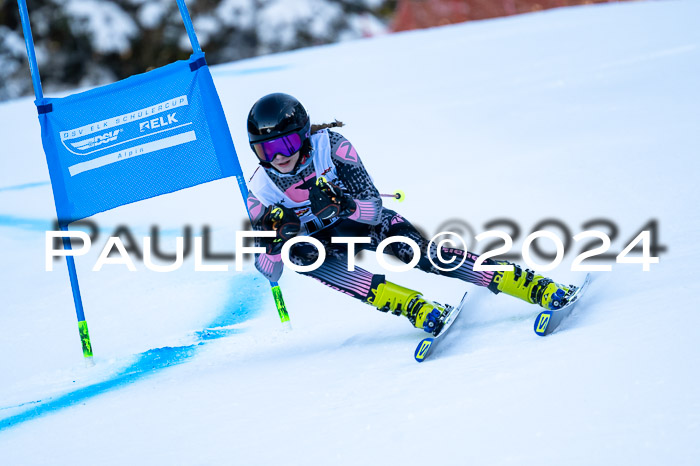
(313, 183)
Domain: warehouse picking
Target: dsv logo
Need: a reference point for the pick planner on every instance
(158, 122)
(109, 136)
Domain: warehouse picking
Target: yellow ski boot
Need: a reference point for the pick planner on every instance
(423, 314)
(534, 289)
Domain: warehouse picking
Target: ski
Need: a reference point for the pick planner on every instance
(427, 344)
(548, 321)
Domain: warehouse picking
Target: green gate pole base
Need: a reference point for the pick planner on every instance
(281, 308)
(85, 340)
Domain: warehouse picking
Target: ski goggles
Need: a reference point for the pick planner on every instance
(285, 146)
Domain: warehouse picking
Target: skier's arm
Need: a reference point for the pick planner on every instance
(357, 182)
(271, 218)
(255, 209)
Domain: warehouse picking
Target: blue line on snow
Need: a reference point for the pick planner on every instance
(238, 308)
(237, 72)
(36, 224)
(25, 186)
(33, 224)
(21, 404)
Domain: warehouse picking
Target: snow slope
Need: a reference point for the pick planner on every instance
(574, 114)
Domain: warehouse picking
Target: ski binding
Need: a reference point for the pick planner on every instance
(427, 344)
(548, 321)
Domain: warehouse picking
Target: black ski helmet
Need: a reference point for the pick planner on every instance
(276, 115)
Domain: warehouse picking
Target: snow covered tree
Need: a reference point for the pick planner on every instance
(92, 42)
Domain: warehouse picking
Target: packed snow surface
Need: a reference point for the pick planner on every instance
(573, 114)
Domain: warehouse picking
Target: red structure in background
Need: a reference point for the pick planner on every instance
(419, 14)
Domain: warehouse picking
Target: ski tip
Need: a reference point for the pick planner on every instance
(423, 349)
(541, 322)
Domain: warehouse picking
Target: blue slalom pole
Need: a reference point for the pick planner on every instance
(78, 301)
(275, 288)
(29, 42)
(39, 94)
(188, 26)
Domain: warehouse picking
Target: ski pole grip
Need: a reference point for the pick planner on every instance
(399, 196)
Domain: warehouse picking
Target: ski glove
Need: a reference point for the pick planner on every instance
(328, 201)
(282, 220)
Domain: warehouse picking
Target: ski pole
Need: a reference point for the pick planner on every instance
(400, 196)
(274, 286)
